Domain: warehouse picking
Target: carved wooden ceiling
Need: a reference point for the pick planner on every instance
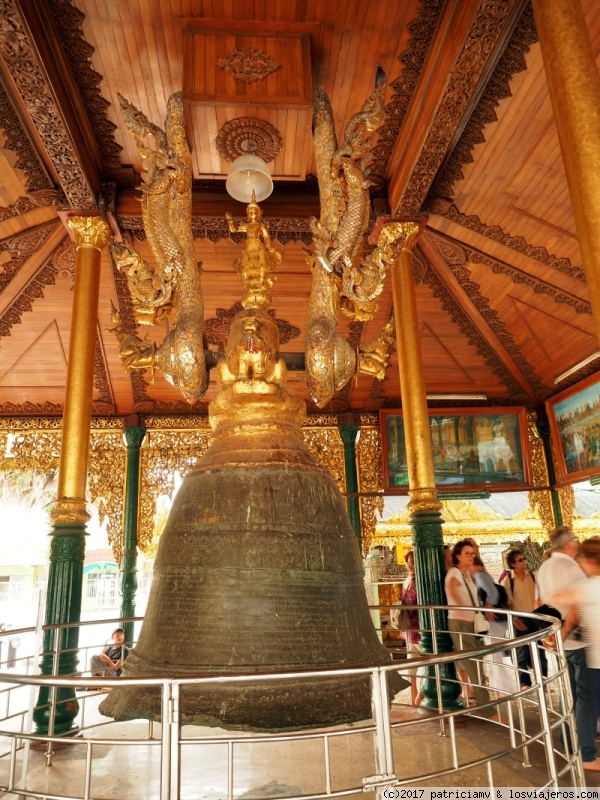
(469, 140)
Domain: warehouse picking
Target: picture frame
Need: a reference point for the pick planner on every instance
(574, 416)
(474, 449)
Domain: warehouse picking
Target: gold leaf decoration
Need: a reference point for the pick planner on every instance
(370, 479)
(327, 447)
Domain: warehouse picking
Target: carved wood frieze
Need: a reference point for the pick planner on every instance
(22, 62)
(36, 199)
(538, 286)
(21, 247)
(473, 335)
(412, 60)
(18, 142)
(445, 243)
(217, 328)
(34, 290)
(78, 53)
(104, 402)
(65, 258)
(456, 256)
(249, 135)
(284, 229)
(444, 208)
(249, 65)
(464, 78)
(498, 88)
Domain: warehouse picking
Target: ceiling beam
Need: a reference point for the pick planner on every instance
(459, 294)
(33, 62)
(468, 44)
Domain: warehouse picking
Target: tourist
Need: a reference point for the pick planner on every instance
(521, 593)
(462, 591)
(556, 576)
(110, 660)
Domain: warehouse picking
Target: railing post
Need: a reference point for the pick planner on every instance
(544, 716)
(165, 742)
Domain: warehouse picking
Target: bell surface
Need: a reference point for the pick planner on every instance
(258, 569)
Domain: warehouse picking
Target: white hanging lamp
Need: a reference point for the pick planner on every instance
(247, 174)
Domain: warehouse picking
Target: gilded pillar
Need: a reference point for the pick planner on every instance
(574, 87)
(134, 438)
(69, 515)
(424, 506)
(349, 434)
(543, 427)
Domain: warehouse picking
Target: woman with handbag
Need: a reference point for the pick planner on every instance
(466, 626)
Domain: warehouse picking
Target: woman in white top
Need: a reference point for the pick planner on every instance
(462, 591)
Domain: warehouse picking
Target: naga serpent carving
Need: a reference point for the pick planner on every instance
(339, 284)
(175, 282)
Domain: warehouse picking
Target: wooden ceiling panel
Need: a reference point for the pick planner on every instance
(547, 332)
(139, 46)
(517, 179)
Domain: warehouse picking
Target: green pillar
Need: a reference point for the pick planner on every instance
(63, 604)
(69, 514)
(543, 427)
(349, 434)
(134, 437)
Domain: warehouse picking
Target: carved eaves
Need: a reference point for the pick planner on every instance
(29, 77)
(18, 142)
(37, 199)
(498, 88)
(46, 276)
(446, 209)
(517, 275)
(21, 247)
(456, 257)
(472, 334)
(68, 21)
(422, 31)
(485, 35)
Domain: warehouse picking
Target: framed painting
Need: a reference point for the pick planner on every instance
(575, 424)
(474, 449)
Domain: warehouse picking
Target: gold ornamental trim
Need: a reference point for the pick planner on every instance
(89, 232)
(69, 511)
(425, 499)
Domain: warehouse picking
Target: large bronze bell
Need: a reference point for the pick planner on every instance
(258, 568)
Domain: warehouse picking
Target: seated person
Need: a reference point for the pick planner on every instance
(111, 659)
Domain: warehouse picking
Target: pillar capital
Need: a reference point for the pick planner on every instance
(134, 437)
(394, 234)
(92, 232)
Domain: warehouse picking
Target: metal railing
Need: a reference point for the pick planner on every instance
(531, 721)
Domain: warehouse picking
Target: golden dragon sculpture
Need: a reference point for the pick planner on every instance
(174, 285)
(339, 283)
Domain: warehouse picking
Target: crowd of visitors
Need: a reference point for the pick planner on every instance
(566, 584)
